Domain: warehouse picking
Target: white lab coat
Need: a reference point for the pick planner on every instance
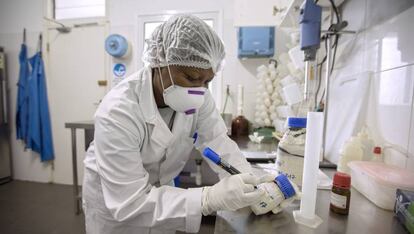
(134, 157)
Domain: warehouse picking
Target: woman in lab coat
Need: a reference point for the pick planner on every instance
(144, 131)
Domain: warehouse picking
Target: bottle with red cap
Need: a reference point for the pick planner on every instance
(341, 193)
(377, 155)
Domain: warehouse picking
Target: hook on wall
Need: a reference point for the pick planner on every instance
(24, 35)
(273, 61)
(39, 46)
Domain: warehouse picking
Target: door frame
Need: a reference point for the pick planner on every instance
(48, 11)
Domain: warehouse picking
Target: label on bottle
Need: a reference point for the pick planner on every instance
(338, 200)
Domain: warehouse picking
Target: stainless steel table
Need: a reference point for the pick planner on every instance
(88, 128)
(364, 217)
(245, 144)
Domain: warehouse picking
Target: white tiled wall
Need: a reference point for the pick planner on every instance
(384, 47)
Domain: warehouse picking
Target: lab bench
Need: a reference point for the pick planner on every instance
(88, 127)
(364, 217)
(257, 153)
(265, 151)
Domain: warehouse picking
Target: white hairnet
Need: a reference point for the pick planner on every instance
(184, 40)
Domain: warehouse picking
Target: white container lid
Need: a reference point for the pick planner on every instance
(384, 174)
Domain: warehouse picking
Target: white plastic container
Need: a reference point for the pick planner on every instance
(284, 111)
(379, 181)
(287, 81)
(279, 125)
(352, 150)
(367, 145)
(293, 93)
(297, 57)
(291, 149)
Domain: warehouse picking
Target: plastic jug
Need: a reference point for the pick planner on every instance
(367, 145)
(352, 150)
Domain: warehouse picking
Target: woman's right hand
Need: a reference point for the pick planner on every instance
(231, 193)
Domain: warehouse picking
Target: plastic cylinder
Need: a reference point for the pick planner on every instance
(306, 215)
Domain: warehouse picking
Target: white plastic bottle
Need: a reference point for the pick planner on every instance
(378, 157)
(352, 150)
(367, 145)
(291, 150)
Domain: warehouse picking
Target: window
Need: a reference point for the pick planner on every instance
(75, 9)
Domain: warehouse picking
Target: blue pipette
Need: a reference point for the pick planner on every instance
(281, 180)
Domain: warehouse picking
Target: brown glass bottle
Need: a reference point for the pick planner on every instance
(240, 126)
(341, 193)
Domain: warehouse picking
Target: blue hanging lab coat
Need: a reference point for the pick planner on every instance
(22, 95)
(39, 132)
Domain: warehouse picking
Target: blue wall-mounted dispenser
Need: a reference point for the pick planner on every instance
(256, 42)
(116, 45)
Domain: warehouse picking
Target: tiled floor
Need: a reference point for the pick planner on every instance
(36, 208)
